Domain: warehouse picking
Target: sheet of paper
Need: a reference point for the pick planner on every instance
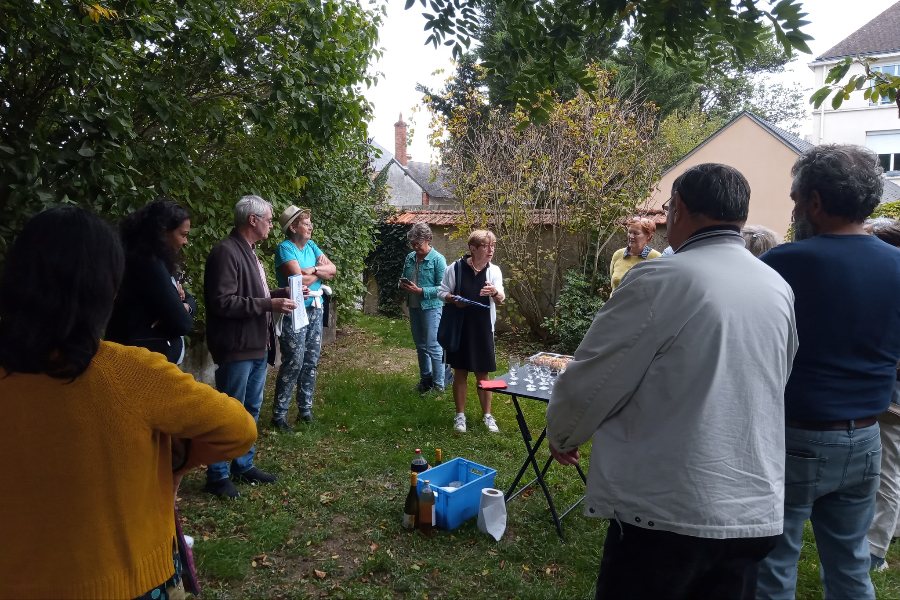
(299, 319)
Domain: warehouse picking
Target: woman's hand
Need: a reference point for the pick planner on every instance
(489, 290)
(412, 288)
(180, 291)
(450, 299)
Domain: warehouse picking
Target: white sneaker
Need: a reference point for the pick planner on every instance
(459, 423)
(491, 424)
(189, 541)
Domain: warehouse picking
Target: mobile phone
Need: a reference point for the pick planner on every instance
(405, 280)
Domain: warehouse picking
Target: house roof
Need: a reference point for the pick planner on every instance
(881, 34)
(790, 140)
(455, 217)
(379, 156)
(891, 192)
(421, 173)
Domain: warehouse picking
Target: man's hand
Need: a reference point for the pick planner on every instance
(564, 458)
(308, 271)
(322, 260)
(283, 305)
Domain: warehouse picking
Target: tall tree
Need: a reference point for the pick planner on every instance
(200, 100)
(545, 32)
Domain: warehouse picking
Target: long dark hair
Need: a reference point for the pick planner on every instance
(144, 230)
(57, 292)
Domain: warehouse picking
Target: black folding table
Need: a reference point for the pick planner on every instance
(516, 392)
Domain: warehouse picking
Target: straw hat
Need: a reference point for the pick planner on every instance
(289, 215)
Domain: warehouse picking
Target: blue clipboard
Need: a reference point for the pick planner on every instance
(459, 299)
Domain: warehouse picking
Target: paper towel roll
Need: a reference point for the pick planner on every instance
(492, 513)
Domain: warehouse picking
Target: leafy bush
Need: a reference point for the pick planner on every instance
(202, 101)
(888, 209)
(576, 308)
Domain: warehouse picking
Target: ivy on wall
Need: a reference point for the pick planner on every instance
(385, 262)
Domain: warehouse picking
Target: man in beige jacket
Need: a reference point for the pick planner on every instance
(680, 382)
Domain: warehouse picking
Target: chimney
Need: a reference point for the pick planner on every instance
(400, 141)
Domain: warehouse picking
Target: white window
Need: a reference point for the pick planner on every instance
(886, 144)
(890, 70)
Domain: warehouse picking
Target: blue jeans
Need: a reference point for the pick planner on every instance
(300, 351)
(424, 324)
(244, 381)
(831, 478)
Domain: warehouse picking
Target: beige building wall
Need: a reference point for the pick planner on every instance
(763, 159)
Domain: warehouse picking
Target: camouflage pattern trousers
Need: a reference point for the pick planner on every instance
(300, 351)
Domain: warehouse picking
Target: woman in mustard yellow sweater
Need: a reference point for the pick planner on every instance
(640, 232)
(86, 427)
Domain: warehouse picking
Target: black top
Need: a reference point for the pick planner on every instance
(476, 342)
(147, 297)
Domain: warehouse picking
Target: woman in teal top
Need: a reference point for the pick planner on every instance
(422, 274)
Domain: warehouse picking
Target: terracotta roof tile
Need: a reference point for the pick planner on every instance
(454, 217)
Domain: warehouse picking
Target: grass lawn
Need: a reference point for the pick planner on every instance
(330, 527)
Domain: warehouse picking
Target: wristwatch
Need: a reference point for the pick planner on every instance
(316, 267)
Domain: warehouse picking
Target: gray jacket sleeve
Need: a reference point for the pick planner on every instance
(609, 365)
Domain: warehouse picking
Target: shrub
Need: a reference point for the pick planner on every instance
(575, 310)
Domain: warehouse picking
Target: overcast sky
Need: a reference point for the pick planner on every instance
(407, 61)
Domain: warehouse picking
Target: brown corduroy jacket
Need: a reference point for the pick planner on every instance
(237, 305)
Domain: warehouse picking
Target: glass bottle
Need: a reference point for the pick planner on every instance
(411, 507)
(419, 464)
(437, 458)
(426, 511)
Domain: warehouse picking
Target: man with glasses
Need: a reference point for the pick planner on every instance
(680, 383)
(239, 328)
(300, 350)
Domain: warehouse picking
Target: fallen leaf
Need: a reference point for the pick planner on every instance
(309, 542)
(253, 564)
(547, 571)
(526, 568)
(338, 556)
(492, 552)
(415, 567)
(372, 547)
(485, 572)
(508, 401)
(502, 564)
(364, 580)
(319, 574)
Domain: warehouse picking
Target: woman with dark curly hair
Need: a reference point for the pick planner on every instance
(152, 309)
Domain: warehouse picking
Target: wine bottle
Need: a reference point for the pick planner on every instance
(437, 458)
(411, 507)
(426, 511)
(419, 464)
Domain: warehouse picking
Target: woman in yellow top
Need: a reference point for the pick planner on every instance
(87, 508)
(640, 232)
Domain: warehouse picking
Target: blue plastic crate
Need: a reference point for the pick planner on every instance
(452, 507)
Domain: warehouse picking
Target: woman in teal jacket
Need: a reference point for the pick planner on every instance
(422, 274)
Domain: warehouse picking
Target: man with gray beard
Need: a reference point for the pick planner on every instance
(847, 300)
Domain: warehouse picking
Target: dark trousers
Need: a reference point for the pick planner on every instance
(658, 565)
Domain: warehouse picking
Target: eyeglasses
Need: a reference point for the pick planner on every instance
(492, 246)
(262, 218)
(665, 205)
